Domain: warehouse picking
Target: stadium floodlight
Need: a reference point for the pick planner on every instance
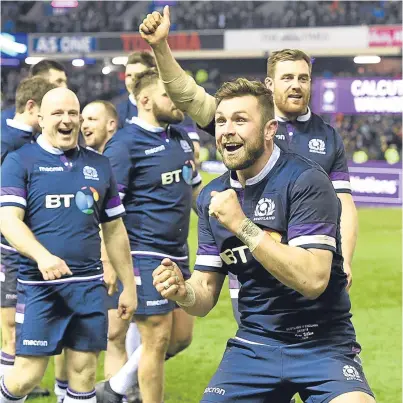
(33, 60)
(64, 4)
(78, 62)
(367, 59)
(9, 45)
(106, 70)
(120, 60)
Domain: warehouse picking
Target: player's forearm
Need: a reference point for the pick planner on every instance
(348, 228)
(182, 89)
(204, 298)
(297, 268)
(22, 239)
(118, 250)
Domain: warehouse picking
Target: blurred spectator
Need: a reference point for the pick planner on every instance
(112, 16)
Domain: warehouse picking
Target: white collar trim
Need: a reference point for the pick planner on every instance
(43, 143)
(146, 126)
(262, 174)
(301, 118)
(19, 125)
(132, 99)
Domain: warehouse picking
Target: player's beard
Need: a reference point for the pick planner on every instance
(246, 156)
(287, 107)
(171, 117)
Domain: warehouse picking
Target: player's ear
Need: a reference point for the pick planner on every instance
(111, 125)
(270, 129)
(30, 106)
(146, 102)
(269, 83)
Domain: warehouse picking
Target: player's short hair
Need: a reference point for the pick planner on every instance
(145, 58)
(286, 55)
(43, 67)
(110, 108)
(144, 79)
(242, 87)
(31, 88)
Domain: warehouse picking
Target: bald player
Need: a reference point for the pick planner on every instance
(54, 223)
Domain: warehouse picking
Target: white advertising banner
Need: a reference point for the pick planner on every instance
(301, 38)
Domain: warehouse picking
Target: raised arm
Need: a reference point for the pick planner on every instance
(181, 88)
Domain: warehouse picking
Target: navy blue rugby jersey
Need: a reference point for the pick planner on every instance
(65, 195)
(155, 172)
(14, 135)
(127, 110)
(292, 199)
(316, 140)
(7, 113)
(311, 137)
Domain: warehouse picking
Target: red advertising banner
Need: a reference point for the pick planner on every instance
(385, 36)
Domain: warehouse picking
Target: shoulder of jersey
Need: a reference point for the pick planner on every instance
(299, 162)
(318, 121)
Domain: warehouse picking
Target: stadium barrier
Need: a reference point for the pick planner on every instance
(373, 183)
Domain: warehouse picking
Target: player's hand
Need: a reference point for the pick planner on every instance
(347, 270)
(110, 278)
(127, 304)
(52, 267)
(155, 27)
(225, 207)
(169, 282)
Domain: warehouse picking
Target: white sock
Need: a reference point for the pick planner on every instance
(83, 397)
(126, 377)
(6, 362)
(7, 397)
(133, 339)
(60, 390)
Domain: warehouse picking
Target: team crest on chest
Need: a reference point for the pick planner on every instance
(90, 173)
(185, 146)
(317, 146)
(265, 209)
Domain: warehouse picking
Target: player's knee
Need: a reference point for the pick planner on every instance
(82, 372)
(25, 376)
(181, 344)
(117, 338)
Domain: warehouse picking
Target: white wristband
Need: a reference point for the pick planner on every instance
(190, 299)
(250, 234)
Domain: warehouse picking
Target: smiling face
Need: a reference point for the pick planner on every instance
(60, 118)
(96, 126)
(240, 133)
(291, 87)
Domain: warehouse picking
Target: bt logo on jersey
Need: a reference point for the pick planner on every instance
(84, 198)
(187, 172)
(56, 201)
(171, 177)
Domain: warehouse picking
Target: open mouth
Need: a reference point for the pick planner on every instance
(231, 147)
(87, 134)
(65, 131)
(295, 96)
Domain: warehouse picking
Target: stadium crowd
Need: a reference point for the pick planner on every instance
(114, 16)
